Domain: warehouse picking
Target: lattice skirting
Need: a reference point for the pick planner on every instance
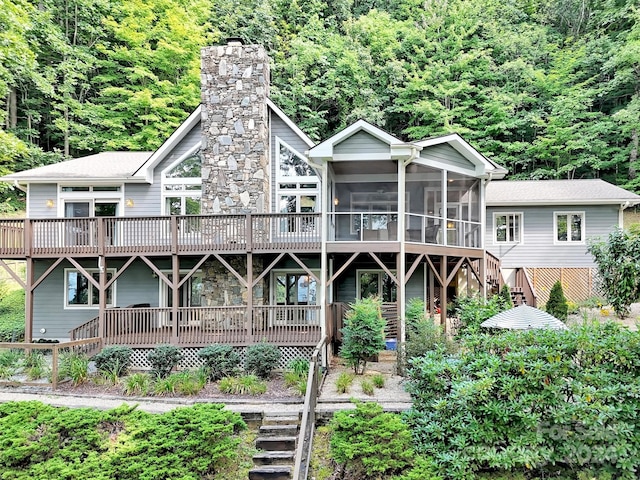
(578, 284)
(190, 359)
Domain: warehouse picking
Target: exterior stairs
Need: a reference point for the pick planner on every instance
(277, 439)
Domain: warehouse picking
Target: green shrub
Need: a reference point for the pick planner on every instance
(369, 443)
(137, 384)
(343, 382)
(299, 366)
(546, 402)
(423, 336)
(74, 366)
(378, 380)
(557, 304)
(367, 386)
(472, 311)
(244, 385)
(363, 333)
(505, 295)
(220, 361)
(113, 360)
(189, 382)
(43, 442)
(12, 315)
(163, 359)
(415, 312)
(167, 385)
(262, 358)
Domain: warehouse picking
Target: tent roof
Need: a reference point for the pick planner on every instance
(523, 317)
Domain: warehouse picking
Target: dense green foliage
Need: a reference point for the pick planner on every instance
(163, 359)
(472, 311)
(618, 262)
(363, 333)
(557, 304)
(114, 360)
(262, 358)
(423, 334)
(368, 443)
(42, 442)
(11, 314)
(545, 402)
(549, 90)
(220, 361)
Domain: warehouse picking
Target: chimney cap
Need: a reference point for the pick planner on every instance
(234, 41)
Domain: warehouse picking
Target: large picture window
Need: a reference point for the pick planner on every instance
(376, 283)
(182, 186)
(507, 227)
(80, 293)
(569, 227)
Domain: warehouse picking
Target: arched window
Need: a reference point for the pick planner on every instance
(182, 186)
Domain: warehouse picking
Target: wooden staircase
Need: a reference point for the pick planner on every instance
(277, 441)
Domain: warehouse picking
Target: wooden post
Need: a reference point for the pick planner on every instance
(54, 368)
(28, 302)
(175, 297)
(443, 293)
(102, 295)
(249, 316)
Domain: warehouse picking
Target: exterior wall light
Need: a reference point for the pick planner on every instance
(129, 202)
(50, 203)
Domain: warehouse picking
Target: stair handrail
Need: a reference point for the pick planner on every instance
(524, 281)
(307, 426)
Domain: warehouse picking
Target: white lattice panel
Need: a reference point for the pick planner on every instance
(190, 359)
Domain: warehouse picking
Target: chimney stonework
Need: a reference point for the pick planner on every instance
(235, 159)
(235, 130)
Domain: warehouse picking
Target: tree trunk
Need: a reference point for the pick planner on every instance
(633, 155)
(12, 104)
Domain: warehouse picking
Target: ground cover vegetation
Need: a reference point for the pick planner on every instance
(547, 89)
(41, 442)
(11, 312)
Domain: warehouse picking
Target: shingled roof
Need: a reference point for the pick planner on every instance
(101, 166)
(557, 192)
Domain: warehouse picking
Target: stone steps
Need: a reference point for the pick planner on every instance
(277, 439)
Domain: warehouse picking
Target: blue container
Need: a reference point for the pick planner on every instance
(391, 343)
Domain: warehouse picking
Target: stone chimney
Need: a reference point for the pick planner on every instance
(235, 133)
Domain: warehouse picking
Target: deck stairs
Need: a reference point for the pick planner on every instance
(276, 442)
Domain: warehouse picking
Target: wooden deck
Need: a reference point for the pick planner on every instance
(202, 326)
(123, 236)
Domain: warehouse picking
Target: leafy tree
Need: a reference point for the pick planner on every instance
(557, 304)
(363, 333)
(618, 263)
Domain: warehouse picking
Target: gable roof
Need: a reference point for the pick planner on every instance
(467, 151)
(325, 149)
(193, 121)
(105, 166)
(557, 192)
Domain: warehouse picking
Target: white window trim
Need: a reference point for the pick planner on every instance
(293, 271)
(295, 179)
(568, 241)
(181, 181)
(90, 196)
(494, 231)
(113, 288)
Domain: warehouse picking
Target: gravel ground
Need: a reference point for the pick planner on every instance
(607, 314)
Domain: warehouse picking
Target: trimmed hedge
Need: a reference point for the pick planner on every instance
(549, 403)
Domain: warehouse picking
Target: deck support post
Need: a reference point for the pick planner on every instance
(28, 327)
(175, 297)
(443, 292)
(102, 295)
(249, 317)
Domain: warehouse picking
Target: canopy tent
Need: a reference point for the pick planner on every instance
(523, 317)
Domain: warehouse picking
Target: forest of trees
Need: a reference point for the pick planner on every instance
(546, 88)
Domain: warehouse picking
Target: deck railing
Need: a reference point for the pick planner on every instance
(201, 326)
(162, 234)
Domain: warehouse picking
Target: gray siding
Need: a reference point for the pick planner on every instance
(361, 142)
(537, 248)
(447, 156)
(136, 285)
(152, 199)
(38, 196)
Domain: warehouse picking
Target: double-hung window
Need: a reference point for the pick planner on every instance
(507, 227)
(568, 227)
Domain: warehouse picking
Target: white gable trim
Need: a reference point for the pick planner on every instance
(467, 151)
(147, 169)
(283, 116)
(325, 149)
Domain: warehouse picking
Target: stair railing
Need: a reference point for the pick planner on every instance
(307, 427)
